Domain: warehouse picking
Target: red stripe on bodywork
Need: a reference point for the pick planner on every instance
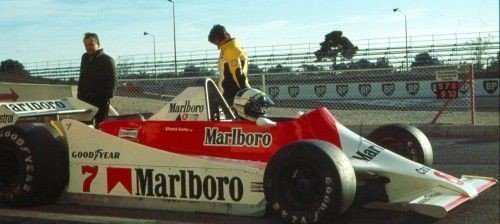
(456, 203)
(485, 186)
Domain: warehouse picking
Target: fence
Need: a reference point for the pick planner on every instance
(478, 48)
(373, 96)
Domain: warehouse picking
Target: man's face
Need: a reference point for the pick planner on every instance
(91, 45)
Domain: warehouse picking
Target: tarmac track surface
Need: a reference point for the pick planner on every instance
(454, 156)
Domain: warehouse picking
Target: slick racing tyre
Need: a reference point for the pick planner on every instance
(405, 140)
(309, 182)
(33, 165)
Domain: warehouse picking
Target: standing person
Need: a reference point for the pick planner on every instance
(97, 77)
(232, 64)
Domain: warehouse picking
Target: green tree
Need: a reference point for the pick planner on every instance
(424, 59)
(254, 69)
(310, 68)
(279, 68)
(13, 67)
(192, 71)
(334, 44)
(478, 47)
(383, 62)
(493, 65)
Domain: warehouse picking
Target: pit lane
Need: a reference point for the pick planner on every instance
(452, 155)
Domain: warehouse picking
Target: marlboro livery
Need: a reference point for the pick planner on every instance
(194, 155)
(12, 112)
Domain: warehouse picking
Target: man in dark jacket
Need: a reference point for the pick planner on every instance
(97, 77)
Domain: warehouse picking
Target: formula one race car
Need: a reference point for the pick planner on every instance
(195, 155)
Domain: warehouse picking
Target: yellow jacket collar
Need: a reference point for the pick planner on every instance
(231, 43)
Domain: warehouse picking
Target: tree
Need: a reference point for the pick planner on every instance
(310, 68)
(424, 59)
(383, 62)
(191, 70)
(279, 68)
(478, 48)
(13, 67)
(493, 65)
(334, 44)
(254, 69)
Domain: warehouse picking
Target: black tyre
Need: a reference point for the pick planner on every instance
(405, 140)
(33, 165)
(309, 182)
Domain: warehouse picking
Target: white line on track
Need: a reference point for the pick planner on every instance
(81, 218)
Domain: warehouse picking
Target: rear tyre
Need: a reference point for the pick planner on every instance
(309, 182)
(33, 165)
(405, 140)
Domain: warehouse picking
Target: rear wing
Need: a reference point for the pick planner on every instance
(12, 112)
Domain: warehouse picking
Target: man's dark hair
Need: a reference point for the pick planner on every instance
(94, 35)
(217, 33)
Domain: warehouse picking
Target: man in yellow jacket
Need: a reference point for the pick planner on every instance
(232, 64)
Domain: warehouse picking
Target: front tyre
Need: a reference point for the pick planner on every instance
(309, 182)
(33, 165)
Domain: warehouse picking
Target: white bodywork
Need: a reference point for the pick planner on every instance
(412, 185)
(113, 171)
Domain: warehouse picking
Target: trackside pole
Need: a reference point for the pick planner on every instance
(472, 96)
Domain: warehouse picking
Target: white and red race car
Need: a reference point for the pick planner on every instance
(194, 155)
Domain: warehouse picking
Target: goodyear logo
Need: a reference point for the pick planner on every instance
(6, 119)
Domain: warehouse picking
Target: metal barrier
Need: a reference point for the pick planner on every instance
(373, 96)
(479, 48)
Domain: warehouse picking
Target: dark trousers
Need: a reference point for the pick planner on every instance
(102, 113)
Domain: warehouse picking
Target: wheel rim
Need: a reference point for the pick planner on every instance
(9, 168)
(301, 185)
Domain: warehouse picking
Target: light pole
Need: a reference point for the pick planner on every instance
(175, 44)
(406, 35)
(154, 49)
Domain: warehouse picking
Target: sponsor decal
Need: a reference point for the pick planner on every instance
(293, 91)
(181, 129)
(187, 117)
(449, 178)
(465, 88)
(364, 89)
(128, 133)
(37, 106)
(490, 86)
(236, 137)
(97, 154)
(428, 197)
(191, 185)
(423, 170)
(186, 108)
(117, 175)
(6, 119)
(256, 186)
(320, 90)
(367, 154)
(388, 88)
(274, 91)
(412, 88)
(342, 90)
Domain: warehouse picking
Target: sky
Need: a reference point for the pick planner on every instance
(46, 30)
